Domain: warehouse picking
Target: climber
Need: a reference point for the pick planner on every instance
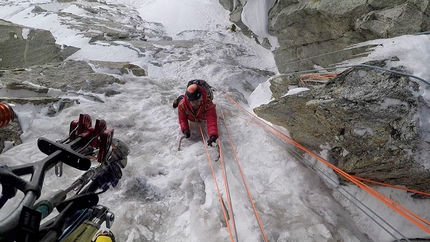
(195, 106)
(232, 28)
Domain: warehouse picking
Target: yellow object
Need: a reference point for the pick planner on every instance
(103, 238)
(84, 233)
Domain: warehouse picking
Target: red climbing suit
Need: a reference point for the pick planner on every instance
(206, 112)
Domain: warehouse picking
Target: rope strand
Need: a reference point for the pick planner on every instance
(216, 184)
(244, 181)
(227, 190)
(395, 206)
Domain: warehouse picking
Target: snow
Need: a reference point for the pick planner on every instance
(254, 16)
(296, 90)
(410, 49)
(170, 195)
(182, 15)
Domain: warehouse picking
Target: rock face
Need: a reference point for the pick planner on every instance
(23, 46)
(10, 135)
(55, 85)
(34, 69)
(366, 118)
(60, 77)
(317, 32)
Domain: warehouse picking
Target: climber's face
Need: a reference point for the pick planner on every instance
(196, 104)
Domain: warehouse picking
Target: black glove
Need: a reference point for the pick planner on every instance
(211, 140)
(187, 133)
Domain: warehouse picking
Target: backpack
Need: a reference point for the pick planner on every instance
(204, 84)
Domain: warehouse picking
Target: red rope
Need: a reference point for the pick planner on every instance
(384, 199)
(245, 183)
(216, 184)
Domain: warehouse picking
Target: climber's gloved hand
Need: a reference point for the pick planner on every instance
(211, 140)
(187, 133)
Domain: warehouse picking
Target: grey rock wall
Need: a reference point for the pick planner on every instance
(367, 118)
(36, 82)
(308, 31)
(23, 46)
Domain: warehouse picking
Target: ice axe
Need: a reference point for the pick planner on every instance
(180, 141)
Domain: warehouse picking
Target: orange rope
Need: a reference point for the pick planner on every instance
(313, 76)
(370, 190)
(216, 184)
(393, 186)
(244, 182)
(395, 206)
(227, 190)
